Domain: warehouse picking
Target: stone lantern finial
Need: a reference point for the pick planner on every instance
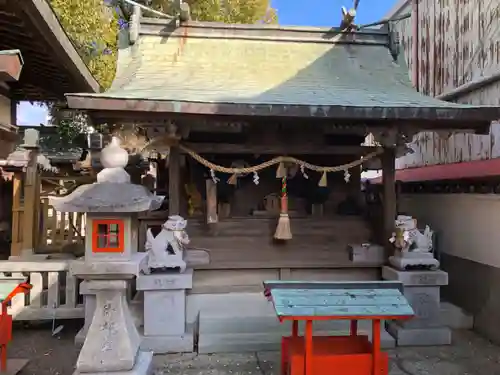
(114, 159)
(113, 156)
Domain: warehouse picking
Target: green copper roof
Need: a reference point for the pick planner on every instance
(171, 69)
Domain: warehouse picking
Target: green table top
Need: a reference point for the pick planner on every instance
(6, 287)
(361, 300)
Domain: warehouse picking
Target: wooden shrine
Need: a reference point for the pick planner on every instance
(253, 127)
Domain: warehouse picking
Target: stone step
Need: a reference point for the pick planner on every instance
(267, 324)
(456, 317)
(257, 342)
(222, 333)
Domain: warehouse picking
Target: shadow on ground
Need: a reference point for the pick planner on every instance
(49, 355)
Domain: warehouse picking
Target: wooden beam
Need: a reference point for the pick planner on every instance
(10, 67)
(389, 188)
(174, 181)
(282, 149)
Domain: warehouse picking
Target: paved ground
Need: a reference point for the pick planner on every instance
(469, 355)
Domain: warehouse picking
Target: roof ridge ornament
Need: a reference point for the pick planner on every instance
(348, 16)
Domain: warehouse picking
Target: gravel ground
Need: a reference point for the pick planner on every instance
(469, 355)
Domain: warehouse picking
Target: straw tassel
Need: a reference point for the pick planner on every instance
(233, 179)
(323, 182)
(283, 230)
(281, 171)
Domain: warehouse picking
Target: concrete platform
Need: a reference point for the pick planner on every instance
(433, 336)
(245, 322)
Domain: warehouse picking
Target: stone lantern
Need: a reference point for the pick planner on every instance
(111, 259)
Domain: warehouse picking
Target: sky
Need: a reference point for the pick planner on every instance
(290, 12)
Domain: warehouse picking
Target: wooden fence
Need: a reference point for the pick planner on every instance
(58, 229)
(54, 231)
(55, 293)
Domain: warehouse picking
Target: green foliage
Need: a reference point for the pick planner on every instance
(227, 11)
(93, 26)
(93, 29)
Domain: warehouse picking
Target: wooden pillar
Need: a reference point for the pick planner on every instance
(174, 181)
(31, 202)
(389, 195)
(16, 244)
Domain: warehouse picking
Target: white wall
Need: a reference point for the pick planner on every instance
(468, 224)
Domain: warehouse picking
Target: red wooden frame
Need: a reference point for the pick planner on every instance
(6, 323)
(120, 236)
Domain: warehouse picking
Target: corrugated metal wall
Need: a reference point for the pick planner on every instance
(459, 42)
(431, 149)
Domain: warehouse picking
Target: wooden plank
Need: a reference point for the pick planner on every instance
(318, 300)
(335, 293)
(211, 189)
(45, 222)
(36, 280)
(61, 228)
(391, 311)
(53, 226)
(71, 289)
(53, 290)
(282, 149)
(71, 225)
(16, 214)
(174, 181)
(332, 285)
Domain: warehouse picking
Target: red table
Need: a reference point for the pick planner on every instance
(314, 301)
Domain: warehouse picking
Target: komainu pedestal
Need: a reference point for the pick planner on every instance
(422, 290)
(165, 329)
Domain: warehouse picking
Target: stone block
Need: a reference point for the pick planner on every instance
(109, 269)
(366, 254)
(415, 278)
(15, 366)
(419, 336)
(183, 343)
(164, 312)
(425, 302)
(143, 366)
(166, 281)
(112, 341)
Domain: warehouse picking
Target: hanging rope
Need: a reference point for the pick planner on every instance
(277, 160)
